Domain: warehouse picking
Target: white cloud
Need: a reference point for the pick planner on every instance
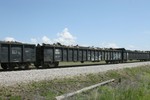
(65, 37)
(137, 47)
(131, 47)
(109, 45)
(45, 39)
(34, 40)
(9, 39)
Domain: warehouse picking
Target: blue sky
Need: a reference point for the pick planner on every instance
(102, 23)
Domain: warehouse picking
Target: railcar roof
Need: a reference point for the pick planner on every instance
(58, 45)
(14, 42)
(137, 51)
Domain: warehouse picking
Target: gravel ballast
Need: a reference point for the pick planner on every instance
(17, 77)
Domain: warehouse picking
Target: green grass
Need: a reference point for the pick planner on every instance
(130, 84)
(134, 85)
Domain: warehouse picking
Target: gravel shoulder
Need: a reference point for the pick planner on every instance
(18, 77)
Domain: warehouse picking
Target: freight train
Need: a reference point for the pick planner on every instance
(21, 55)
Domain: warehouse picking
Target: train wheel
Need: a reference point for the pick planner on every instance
(56, 64)
(25, 66)
(11, 67)
(82, 61)
(51, 65)
(39, 67)
(106, 62)
(45, 65)
(4, 66)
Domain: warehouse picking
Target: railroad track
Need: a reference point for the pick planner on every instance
(62, 66)
(18, 77)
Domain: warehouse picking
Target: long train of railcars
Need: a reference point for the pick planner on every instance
(15, 54)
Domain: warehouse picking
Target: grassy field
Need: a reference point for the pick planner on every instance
(133, 84)
(130, 84)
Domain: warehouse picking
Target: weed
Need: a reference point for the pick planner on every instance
(131, 84)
